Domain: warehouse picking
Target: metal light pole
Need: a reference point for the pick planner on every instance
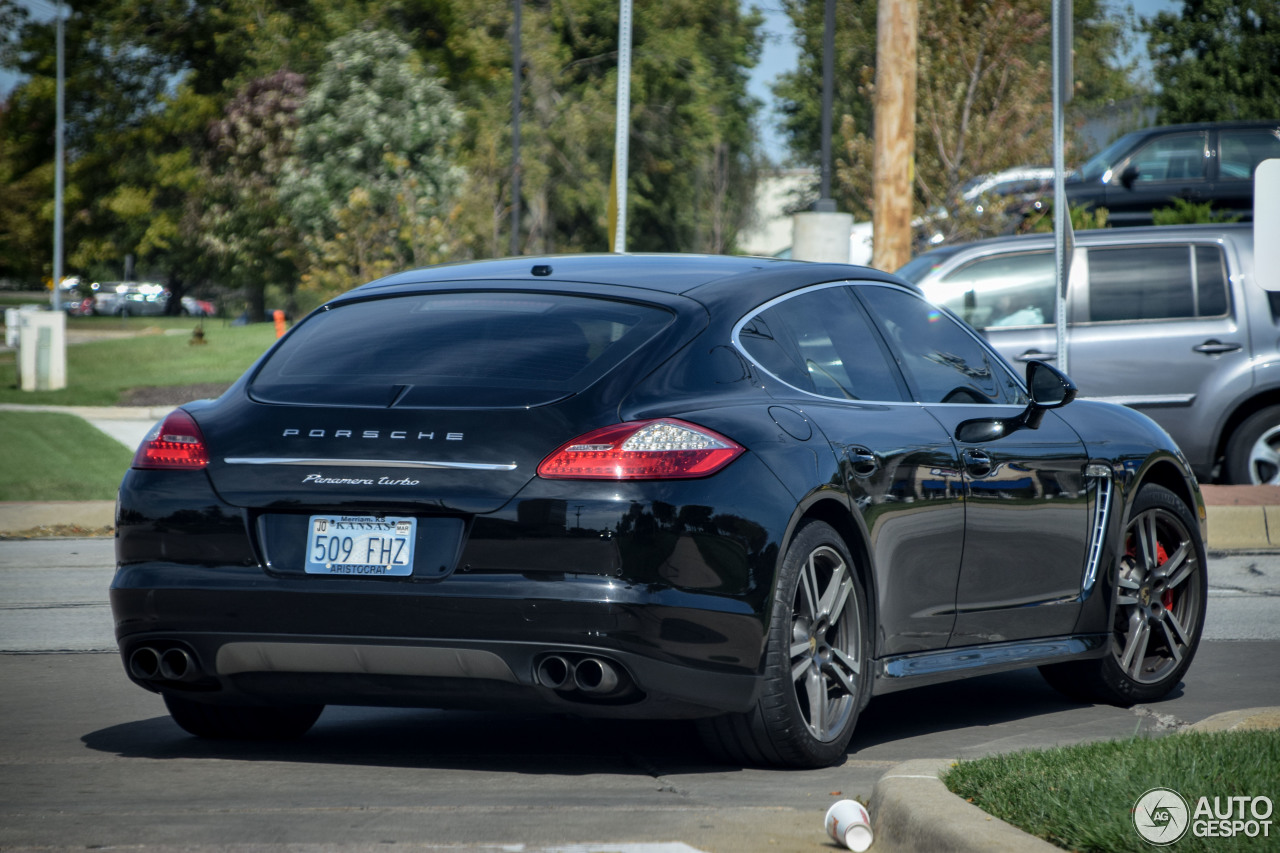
(825, 204)
(56, 299)
(622, 129)
(1063, 236)
(516, 87)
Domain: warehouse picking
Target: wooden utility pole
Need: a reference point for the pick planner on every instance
(895, 103)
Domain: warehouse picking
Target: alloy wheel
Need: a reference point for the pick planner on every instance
(1264, 458)
(1159, 597)
(826, 644)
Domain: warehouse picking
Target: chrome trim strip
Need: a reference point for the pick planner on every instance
(430, 662)
(1135, 400)
(370, 463)
(998, 656)
(1098, 535)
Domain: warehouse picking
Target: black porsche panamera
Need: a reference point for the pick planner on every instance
(751, 493)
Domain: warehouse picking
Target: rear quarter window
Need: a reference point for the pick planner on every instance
(1163, 282)
(455, 350)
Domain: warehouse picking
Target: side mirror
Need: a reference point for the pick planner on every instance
(1050, 389)
(1128, 176)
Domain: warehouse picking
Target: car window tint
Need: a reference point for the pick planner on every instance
(1242, 150)
(819, 341)
(1172, 158)
(943, 360)
(1211, 282)
(478, 348)
(1156, 283)
(1005, 290)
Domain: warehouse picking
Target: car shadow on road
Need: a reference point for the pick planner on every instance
(415, 738)
(928, 718)
(969, 709)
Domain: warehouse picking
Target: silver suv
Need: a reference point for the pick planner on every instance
(1166, 320)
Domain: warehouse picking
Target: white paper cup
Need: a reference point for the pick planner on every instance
(849, 824)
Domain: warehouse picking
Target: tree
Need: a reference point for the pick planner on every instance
(372, 175)
(692, 150)
(1216, 60)
(982, 94)
(243, 222)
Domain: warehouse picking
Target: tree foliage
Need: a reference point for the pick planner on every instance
(1217, 60)
(983, 94)
(179, 133)
(372, 174)
(243, 224)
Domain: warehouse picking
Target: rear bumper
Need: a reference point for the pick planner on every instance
(467, 642)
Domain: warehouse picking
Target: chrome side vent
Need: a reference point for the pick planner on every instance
(1101, 475)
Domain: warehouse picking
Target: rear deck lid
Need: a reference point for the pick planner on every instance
(443, 399)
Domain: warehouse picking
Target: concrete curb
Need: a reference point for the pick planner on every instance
(1248, 719)
(17, 517)
(911, 810)
(107, 413)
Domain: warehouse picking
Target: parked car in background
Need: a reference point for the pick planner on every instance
(130, 299)
(748, 492)
(197, 307)
(1021, 190)
(1167, 320)
(1148, 169)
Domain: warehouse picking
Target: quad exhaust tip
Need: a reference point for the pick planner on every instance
(172, 664)
(593, 676)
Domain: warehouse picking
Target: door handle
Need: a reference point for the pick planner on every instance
(863, 461)
(977, 461)
(1036, 355)
(1214, 347)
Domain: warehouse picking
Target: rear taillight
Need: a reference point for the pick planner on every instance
(665, 449)
(176, 443)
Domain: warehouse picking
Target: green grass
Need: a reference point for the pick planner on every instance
(1080, 797)
(14, 298)
(54, 457)
(99, 371)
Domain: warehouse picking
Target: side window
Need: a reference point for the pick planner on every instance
(943, 360)
(1156, 283)
(1211, 282)
(1242, 150)
(1005, 290)
(1172, 158)
(820, 341)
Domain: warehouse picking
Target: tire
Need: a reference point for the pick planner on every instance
(1160, 587)
(1253, 452)
(817, 662)
(242, 722)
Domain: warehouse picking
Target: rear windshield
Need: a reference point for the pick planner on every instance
(455, 350)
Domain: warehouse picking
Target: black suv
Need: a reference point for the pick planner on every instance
(1148, 169)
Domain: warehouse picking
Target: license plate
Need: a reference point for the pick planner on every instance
(360, 545)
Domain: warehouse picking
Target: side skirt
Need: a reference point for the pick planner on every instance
(923, 668)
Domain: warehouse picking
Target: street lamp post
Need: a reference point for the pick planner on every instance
(57, 172)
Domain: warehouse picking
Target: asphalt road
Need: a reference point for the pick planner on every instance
(87, 759)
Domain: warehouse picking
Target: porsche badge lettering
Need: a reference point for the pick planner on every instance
(397, 434)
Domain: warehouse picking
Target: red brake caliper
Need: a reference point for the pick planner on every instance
(1162, 557)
